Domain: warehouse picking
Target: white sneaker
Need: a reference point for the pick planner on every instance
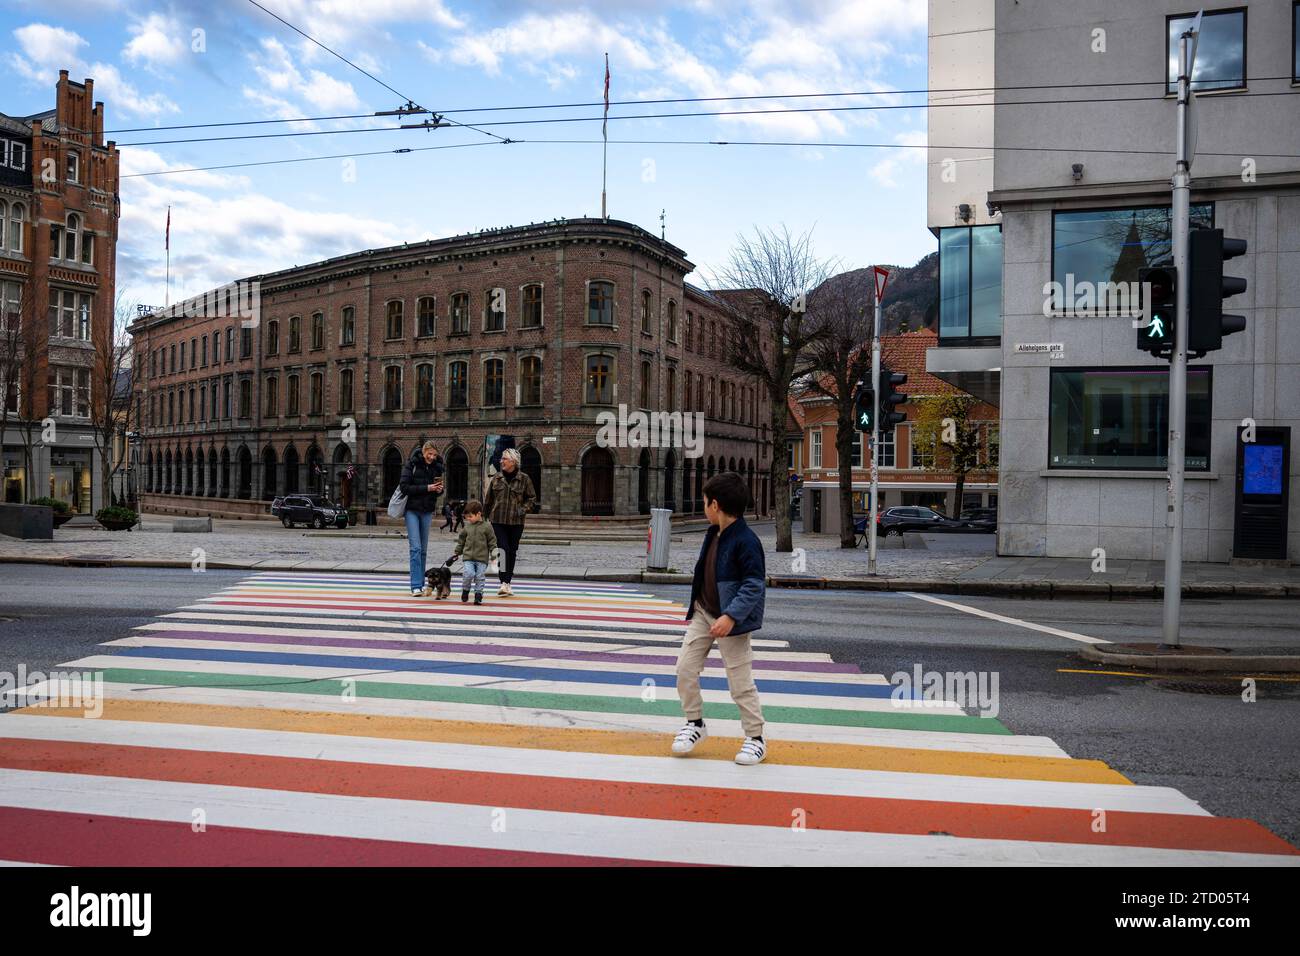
(417, 592)
(687, 738)
(504, 590)
(752, 751)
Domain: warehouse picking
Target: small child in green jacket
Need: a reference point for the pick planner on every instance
(475, 546)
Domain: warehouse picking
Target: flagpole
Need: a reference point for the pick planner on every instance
(167, 290)
(604, 150)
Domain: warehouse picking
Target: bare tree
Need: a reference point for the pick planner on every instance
(18, 374)
(765, 284)
(111, 403)
(842, 311)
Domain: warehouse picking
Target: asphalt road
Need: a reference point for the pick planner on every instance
(1235, 758)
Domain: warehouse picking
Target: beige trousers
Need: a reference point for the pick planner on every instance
(737, 657)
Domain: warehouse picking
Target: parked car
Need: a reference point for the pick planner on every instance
(314, 510)
(981, 519)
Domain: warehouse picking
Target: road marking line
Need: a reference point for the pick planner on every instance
(1166, 675)
(1055, 631)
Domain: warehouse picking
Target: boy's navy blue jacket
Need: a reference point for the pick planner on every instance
(741, 573)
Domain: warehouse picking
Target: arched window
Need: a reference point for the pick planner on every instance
(318, 330)
(530, 461)
(458, 385)
(269, 484)
(291, 397)
(600, 380)
(426, 315)
(393, 328)
(295, 333)
(494, 379)
(348, 326)
(245, 473)
(645, 384)
(392, 471)
(316, 394)
(225, 473)
(345, 389)
(424, 387)
(646, 325)
(273, 337)
(291, 471)
(393, 388)
(672, 321)
(690, 331)
(17, 219)
(643, 482)
(530, 380)
(597, 482)
(671, 388)
(457, 474)
(271, 405)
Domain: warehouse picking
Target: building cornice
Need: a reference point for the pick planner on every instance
(1153, 190)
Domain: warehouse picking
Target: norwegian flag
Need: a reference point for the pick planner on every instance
(604, 126)
(167, 235)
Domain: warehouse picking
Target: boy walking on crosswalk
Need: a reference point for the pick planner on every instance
(727, 598)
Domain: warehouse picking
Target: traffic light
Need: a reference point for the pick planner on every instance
(890, 398)
(1157, 336)
(1207, 323)
(864, 407)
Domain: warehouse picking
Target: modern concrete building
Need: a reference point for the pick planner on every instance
(1060, 173)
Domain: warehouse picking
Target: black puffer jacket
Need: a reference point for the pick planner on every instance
(416, 478)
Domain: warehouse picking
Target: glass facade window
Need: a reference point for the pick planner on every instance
(1096, 250)
(970, 283)
(1220, 51)
(1118, 418)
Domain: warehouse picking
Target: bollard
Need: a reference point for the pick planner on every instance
(658, 539)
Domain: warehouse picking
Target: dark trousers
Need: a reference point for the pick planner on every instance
(508, 536)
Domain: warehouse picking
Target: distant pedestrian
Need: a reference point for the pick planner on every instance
(459, 510)
(727, 597)
(510, 496)
(475, 546)
(421, 482)
(448, 517)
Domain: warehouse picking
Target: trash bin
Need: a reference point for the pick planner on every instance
(657, 539)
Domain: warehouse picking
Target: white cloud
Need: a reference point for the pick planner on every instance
(156, 40)
(47, 49)
(223, 229)
(282, 84)
(885, 170)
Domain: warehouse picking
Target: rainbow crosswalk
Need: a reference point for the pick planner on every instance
(318, 719)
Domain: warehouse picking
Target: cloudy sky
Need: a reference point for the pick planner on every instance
(169, 64)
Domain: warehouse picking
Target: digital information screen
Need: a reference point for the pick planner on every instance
(1263, 470)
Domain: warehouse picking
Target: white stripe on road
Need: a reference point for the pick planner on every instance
(1002, 618)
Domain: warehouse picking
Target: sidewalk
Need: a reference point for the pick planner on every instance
(951, 564)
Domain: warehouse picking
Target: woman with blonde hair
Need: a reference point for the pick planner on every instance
(421, 482)
(510, 496)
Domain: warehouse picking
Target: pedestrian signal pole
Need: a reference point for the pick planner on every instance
(1181, 225)
(873, 509)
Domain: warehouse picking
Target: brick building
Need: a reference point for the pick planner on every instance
(59, 212)
(526, 331)
(905, 476)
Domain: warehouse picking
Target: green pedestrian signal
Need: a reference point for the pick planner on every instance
(1160, 287)
(864, 408)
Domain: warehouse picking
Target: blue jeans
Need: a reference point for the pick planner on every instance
(475, 573)
(417, 538)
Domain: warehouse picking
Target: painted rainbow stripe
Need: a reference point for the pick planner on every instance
(332, 719)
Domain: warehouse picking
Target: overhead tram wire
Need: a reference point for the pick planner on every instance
(702, 142)
(364, 72)
(657, 116)
(972, 90)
